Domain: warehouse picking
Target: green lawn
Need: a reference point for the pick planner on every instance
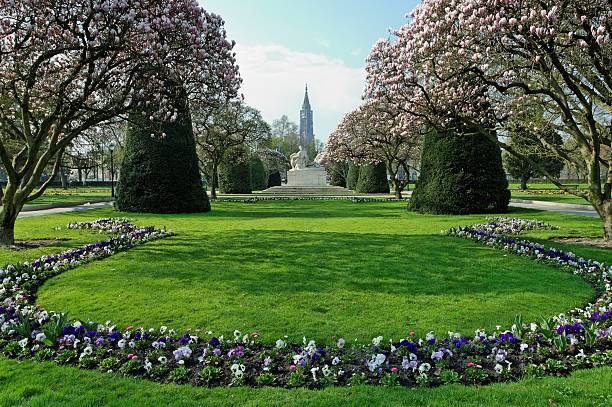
(35, 384)
(304, 268)
(78, 194)
(559, 197)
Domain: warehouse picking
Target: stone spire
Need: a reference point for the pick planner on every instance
(306, 122)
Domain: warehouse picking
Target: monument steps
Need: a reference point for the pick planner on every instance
(288, 190)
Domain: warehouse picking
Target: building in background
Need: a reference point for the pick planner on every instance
(306, 123)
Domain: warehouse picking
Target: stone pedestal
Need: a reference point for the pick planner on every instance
(307, 177)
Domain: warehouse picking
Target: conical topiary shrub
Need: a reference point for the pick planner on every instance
(259, 177)
(373, 179)
(159, 172)
(337, 173)
(235, 173)
(274, 179)
(352, 176)
(460, 174)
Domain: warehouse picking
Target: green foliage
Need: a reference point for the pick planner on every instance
(235, 173)
(352, 176)
(259, 177)
(179, 375)
(373, 179)
(160, 174)
(338, 173)
(131, 367)
(265, 379)
(209, 374)
(297, 379)
(110, 364)
(460, 174)
(274, 180)
(526, 142)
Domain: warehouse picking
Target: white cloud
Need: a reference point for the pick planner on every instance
(274, 78)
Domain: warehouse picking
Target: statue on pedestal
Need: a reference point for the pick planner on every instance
(299, 160)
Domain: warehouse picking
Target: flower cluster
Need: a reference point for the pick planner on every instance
(512, 226)
(106, 225)
(554, 346)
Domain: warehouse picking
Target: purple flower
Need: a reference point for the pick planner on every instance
(214, 342)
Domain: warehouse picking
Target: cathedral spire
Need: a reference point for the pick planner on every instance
(306, 104)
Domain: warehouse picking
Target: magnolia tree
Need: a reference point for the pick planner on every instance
(478, 63)
(68, 66)
(219, 130)
(373, 133)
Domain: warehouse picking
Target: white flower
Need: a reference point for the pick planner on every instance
(376, 361)
(524, 347)
(499, 368)
(121, 344)
(41, 337)
(376, 341)
(23, 343)
(163, 360)
(326, 371)
(341, 343)
(237, 335)
(533, 326)
(280, 344)
(430, 336)
(425, 367)
(238, 370)
(335, 361)
(314, 371)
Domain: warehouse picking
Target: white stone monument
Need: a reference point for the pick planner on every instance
(301, 175)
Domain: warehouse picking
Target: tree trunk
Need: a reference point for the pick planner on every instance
(607, 221)
(8, 216)
(524, 186)
(398, 189)
(64, 179)
(214, 181)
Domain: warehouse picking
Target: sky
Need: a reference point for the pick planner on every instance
(282, 45)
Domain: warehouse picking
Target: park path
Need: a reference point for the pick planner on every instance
(53, 211)
(580, 210)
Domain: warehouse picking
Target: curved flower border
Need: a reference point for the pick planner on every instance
(580, 339)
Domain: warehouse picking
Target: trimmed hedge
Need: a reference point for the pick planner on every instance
(337, 171)
(235, 174)
(352, 176)
(161, 174)
(259, 177)
(373, 179)
(275, 180)
(460, 174)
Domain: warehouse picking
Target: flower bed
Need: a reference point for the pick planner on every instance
(555, 346)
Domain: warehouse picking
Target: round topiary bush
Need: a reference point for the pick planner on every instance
(235, 173)
(373, 179)
(460, 174)
(160, 174)
(274, 179)
(259, 177)
(352, 176)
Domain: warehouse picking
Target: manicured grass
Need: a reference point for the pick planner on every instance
(34, 384)
(561, 198)
(546, 185)
(313, 268)
(78, 194)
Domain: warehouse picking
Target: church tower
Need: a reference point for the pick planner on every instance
(306, 124)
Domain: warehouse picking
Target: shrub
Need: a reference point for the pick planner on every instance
(259, 177)
(235, 173)
(338, 173)
(460, 174)
(160, 174)
(352, 176)
(274, 180)
(373, 179)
